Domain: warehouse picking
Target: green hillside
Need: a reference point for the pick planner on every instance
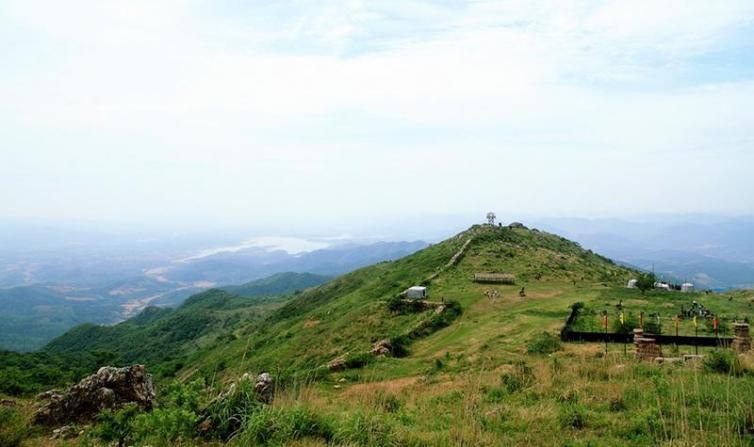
(478, 364)
(279, 284)
(345, 316)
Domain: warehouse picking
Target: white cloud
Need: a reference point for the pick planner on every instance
(128, 109)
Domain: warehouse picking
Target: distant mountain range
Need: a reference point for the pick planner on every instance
(83, 285)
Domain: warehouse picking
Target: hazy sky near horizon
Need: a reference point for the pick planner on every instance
(240, 111)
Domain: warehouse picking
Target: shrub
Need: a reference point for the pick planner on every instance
(645, 281)
(116, 426)
(724, 362)
(227, 415)
(13, 427)
(268, 425)
(165, 427)
(358, 360)
(572, 415)
(544, 343)
(400, 305)
(617, 404)
(520, 378)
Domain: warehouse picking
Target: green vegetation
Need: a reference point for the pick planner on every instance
(25, 374)
(645, 282)
(279, 284)
(13, 428)
(544, 343)
(164, 339)
(486, 370)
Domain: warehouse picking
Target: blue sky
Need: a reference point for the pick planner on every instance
(242, 112)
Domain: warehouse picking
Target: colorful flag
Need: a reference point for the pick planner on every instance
(694, 320)
(621, 318)
(714, 323)
(604, 320)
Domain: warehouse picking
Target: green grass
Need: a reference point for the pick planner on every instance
(487, 376)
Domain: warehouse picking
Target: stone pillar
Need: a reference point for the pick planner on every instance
(646, 348)
(742, 340)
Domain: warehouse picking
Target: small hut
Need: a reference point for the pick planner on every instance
(632, 283)
(687, 287)
(415, 292)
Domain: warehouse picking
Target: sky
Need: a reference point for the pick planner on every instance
(350, 111)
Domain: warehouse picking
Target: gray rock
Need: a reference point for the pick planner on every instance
(109, 388)
(265, 388)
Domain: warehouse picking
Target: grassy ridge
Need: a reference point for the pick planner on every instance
(489, 377)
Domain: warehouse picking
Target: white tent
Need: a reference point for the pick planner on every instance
(687, 287)
(632, 283)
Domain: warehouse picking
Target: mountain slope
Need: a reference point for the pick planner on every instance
(345, 316)
(278, 284)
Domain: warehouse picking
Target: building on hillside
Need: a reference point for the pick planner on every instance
(687, 287)
(632, 283)
(662, 286)
(415, 292)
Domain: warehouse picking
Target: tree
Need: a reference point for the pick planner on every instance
(645, 281)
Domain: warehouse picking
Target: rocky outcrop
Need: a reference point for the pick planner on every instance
(109, 388)
(337, 364)
(382, 348)
(264, 386)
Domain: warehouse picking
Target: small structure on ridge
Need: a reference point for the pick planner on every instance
(415, 292)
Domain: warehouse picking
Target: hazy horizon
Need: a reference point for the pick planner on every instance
(200, 112)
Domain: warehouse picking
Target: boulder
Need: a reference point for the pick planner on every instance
(382, 348)
(109, 388)
(265, 387)
(337, 364)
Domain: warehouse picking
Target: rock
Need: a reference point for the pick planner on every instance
(265, 388)
(337, 364)
(342, 380)
(382, 348)
(109, 388)
(337, 387)
(64, 432)
(440, 309)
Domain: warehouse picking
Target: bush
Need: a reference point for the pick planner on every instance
(645, 281)
(724, 362)
(116, 426)
(227, 415)
(400, 305)
(520, 378)
(165, 427)
(573, 416)
(358, 360)
(544, 343)
(174, 421)
(13, 427)
(268, 425)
